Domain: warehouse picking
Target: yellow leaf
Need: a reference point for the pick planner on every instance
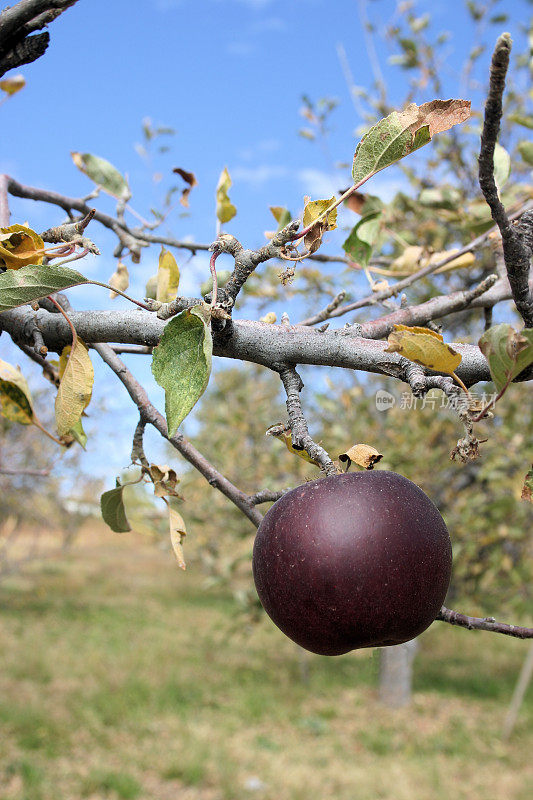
(177, 532)
(15, 398)
(75, 389)
(120, 279)
(362, 454)
(13, 85)
(269, 318)
(225, 208)
(168, 277)
(414, 258)
(283, 433)
(424, 347)
(312, 212)
(19, 247)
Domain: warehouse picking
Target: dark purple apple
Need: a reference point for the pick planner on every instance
(355, 560)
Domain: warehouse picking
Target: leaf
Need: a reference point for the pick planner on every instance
(270, 318)
(424, 347)
(362, 454)
(282, 216)
(312, 211)
(13, 84)
(177, 532)
(120, 279)
(190, 179)
(168, 277)
(103, 173)
(113, 511)
(527, 489)
(20, 246)
(150, 290)
(18, 287)
(181, 363)
(526, 120)
(502, 165)
(401, 133)
(526, 151)
(15, 398)
(507, 352)
(361, 241)
(78, 433)
(225, 208)
(414, 258)
(165, 480)
(283, 433)
(75, 388)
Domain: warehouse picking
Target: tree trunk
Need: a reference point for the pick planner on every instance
(396, 673)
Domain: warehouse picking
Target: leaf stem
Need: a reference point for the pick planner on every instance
(214, 292)
(123, 294)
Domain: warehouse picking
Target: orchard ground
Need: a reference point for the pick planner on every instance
(123, 677)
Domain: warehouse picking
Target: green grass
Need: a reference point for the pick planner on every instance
(121, 679)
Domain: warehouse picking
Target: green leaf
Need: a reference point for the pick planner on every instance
(103, 173)
(502, 165)
(526, 151)
(225, 208)
(182, 363)
(113, 511)
(507, 352)
(360, 243)
(78, 433)
(223, 277)
(21, 286)
(402, 133)
(15, 398)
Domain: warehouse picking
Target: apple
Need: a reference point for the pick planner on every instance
(356, 560)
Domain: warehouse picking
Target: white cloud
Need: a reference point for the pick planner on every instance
(257, 176)
(240, 49)
(317, 183)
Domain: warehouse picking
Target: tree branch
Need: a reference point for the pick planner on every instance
(516, 254)
(149, 414)
(482, 624)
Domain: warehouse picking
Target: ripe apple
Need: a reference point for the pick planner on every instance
(355, 560)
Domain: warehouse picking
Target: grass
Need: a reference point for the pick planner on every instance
(120, 678)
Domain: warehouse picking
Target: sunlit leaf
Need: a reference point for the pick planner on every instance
(181, 363)
(168, 277)
(312, 211)
(18, 287)
(75, 388)
(270, 318)
(364, 455)
(20, 246)
(282, 216)
(13, 84)
(401, 133)
(283, 433)
(425, 347)
(502, 165)
(103, 173)
(225, 208)
(507, 352)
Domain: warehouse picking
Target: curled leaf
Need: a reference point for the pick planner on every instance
(177, 533)
(168, 277)
(270, 318)
(364, 455)
(15, 398)
(225, 208)
(19, 247)
(120, 279)
(283, 433)
(507, 352)
(312, 211)
(190, 179)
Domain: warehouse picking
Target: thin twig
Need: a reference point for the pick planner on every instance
(483, 624)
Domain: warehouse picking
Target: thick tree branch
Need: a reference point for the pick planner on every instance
(516, 253)
(256, 342)
(149, 414)
(483, 624)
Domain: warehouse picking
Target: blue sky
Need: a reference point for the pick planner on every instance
(228, 75)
